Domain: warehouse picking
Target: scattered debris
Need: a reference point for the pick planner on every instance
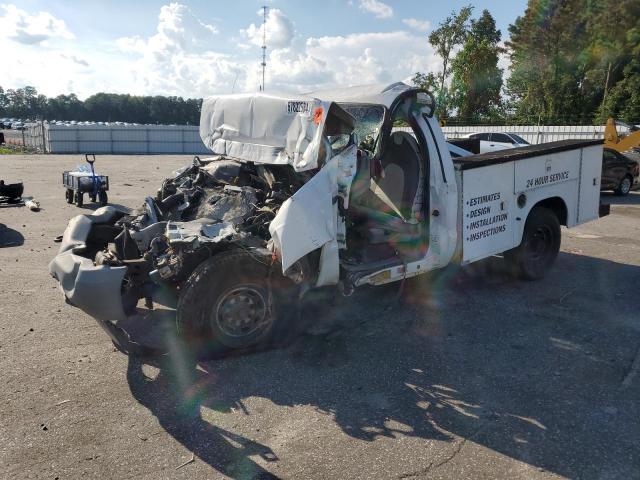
(58, 239)
(11, 194)
(11, 191)
(191, 460)
(62, 402)
(270, 456)
(563, 297)
(32, 205)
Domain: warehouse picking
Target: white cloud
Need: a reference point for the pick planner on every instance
(348, 60)
(379, 9)
(178, 59)
(372, 57)
(76, 60)
(178, 30)
(279, 28)
(419, 25)
(182, 57)
(27, 29)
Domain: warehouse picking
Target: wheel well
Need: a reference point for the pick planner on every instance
(557, 206)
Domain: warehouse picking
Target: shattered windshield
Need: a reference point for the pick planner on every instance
(369, 120)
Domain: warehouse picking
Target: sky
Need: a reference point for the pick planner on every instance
(205, 47)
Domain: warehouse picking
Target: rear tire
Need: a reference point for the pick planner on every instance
(102, 197)
(537, 252)
(624, 188)
(234, 302)
(79, 199)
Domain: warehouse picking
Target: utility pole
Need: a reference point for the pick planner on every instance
(264, 44)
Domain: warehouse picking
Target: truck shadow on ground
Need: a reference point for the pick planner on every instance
(93, 206)
(10, 237)
(532, 371)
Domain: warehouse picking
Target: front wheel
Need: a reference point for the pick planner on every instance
(539, 248)
(103, 198)
(624, 188)
(236, 301)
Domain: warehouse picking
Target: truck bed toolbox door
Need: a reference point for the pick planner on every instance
(590, 171)
(486, 211)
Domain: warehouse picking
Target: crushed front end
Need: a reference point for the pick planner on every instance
(112, 258)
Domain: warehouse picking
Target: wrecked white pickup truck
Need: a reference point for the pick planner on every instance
(317, 190)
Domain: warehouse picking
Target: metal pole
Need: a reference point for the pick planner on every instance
(264, 43)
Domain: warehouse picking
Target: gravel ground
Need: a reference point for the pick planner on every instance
(467, 375)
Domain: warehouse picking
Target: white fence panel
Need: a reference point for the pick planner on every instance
(533, 134)
(121, 139)
(156, 139)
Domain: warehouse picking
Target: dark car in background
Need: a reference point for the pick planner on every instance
(619, 172)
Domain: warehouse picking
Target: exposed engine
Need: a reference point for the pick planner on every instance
(202, 210)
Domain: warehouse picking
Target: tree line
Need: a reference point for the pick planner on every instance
(27, 103)
(570, 62)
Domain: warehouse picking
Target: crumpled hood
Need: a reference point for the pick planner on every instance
(264, 128)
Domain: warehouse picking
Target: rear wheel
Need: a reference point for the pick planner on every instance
(79, 199)
(102, 197)
(236, 301)
(539, 248)
(625, 187)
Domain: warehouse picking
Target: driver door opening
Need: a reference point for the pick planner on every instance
(385, 220)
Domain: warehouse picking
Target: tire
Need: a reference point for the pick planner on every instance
(68, 195)
(103, 198)
(78, 199)
(235, 303)
(537, 252)
(625, 187)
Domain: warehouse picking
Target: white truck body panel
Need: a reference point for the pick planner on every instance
(492, 221)
(590, 179)
(487, 215)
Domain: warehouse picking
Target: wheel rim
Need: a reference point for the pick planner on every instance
(625, 186)
(241, 312)
(540, 244)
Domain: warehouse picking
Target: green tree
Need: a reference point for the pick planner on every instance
(429, 82)
(573, 61)
(3, 101)
(477, 80)
(65, 107)
(451, 33)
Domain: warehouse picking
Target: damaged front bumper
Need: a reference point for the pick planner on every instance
(96, 290)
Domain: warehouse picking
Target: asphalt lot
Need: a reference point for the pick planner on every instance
(468, 375)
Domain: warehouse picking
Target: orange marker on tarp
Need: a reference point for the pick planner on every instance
(317, 115)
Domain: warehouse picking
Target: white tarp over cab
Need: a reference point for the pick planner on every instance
(265, 128)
